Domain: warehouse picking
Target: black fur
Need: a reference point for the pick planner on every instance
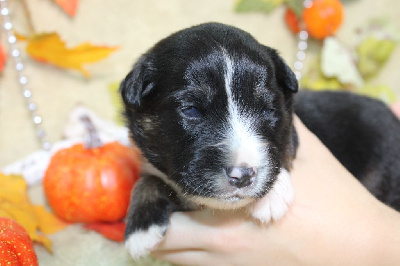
(152, 203)
(362, 133)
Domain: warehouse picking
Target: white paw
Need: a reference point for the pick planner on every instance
(275, 204)
(140, 243)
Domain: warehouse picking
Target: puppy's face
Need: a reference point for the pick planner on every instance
(210, 108)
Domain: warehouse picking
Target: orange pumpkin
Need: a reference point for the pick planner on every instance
(16, 247)
(91, 184)
(322, 19)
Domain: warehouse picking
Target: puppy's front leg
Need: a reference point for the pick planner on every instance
(152, 202)
(275, 204)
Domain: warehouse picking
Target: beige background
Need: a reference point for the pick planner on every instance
(135, 26)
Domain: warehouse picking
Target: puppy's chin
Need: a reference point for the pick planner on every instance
(228, 203)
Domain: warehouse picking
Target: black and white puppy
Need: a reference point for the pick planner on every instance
(211, 110)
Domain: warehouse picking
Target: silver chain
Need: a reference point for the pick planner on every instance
(301, 46)
(22, 78)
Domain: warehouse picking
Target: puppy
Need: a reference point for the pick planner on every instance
(211, 110)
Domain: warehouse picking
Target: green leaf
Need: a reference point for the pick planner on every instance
(337, 61)
(315, 80)
(297, 7)
(381, 92)
(113, 89)
(373, 54)
(266, 6)
(322, 83)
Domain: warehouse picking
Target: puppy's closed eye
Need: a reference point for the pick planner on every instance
(191, 112)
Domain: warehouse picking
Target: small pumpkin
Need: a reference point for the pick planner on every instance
(16, 247)
(322, 19)
(91, 183)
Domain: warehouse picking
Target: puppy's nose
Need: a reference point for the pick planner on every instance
(241, 176)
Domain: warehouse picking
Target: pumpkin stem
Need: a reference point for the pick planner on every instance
(92, 139)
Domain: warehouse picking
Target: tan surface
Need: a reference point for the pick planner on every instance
(135, 25)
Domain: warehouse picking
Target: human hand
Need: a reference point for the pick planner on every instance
(396, 108)
(334, 220)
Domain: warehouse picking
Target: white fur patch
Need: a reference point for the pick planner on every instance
(275, 204)
(140, 243)
(246, 146)
(222, 204)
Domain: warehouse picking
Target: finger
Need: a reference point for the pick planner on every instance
(201, 229)
(183, 232)
(396, 108)
(183, 257)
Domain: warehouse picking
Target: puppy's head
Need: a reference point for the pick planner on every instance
(211, 109)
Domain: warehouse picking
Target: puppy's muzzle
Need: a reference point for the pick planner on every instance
(240, 176)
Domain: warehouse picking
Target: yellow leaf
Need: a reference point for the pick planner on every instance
(41, 239)
(15, 204)
(49, 223)
(13, 189)
(49, 48)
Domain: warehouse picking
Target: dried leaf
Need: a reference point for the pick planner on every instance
(49, 48)
(337, 62)
(15, 204)
(373, 54)
(113, 231)
(315, 80)
(69, 6)
(3, 57)
(257, 5)
(50, 224)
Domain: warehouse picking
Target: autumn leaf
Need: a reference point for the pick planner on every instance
(15, 204)
(47, 218)
(373, 54)
(69, 6)
(381, 92)
(49, 48)
(3, 57)
(112, 231)
(257, 5)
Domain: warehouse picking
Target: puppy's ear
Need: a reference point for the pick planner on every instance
(138, 83)
(284, 75)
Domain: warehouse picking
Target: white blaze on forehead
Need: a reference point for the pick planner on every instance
(245, 144)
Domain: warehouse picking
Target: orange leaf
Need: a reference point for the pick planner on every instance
(69, 6)
(113, 231)
(49, 48)
(15, 204)
(3, 57)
